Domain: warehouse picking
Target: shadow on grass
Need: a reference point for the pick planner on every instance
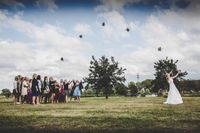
(55, 130)
(50, 124)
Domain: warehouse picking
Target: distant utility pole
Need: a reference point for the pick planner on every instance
(138, 77)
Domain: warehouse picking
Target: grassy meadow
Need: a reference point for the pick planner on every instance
(96, 114)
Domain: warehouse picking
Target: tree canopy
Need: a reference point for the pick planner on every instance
(133, 88)
(104, 75)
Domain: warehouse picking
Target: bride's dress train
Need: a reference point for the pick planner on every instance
(174, 96)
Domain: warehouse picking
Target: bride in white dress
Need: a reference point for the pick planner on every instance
(174, 96)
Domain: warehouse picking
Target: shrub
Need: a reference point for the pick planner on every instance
(6, 92)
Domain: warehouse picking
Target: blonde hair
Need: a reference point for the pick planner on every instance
(34, 75)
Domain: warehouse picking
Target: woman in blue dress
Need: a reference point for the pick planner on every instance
(77, 92)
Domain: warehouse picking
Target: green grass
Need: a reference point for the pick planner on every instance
(117, 114)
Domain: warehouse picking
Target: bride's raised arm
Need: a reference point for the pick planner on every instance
(167, 72)
(176, 74)
(170, 72)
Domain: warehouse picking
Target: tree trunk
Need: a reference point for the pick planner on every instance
(97, 93)
(106, 93)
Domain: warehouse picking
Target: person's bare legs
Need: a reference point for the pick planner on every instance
(15, 100)
(38, 100)
(66, 99)
(52, 98)
(20, 100)
(78, 98)
(33, 100)
(71, 98)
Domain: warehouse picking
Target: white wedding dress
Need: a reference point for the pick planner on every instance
(174, 96)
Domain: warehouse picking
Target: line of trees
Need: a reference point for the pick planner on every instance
(106, 78)
(190, 85)
(132, 88)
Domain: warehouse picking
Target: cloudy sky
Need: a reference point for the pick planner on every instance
(35, 34)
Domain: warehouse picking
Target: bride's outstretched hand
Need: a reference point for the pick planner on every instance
(179, 71)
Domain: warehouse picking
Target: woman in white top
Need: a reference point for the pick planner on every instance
(174, 96)
(24, 92)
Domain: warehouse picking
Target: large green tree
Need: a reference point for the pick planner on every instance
(121, 89)
(133, 88)
(147, 83)
(162, 66)
(104, 75)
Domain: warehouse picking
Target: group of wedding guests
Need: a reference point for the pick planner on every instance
(46, 90)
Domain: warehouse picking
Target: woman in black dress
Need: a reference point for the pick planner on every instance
(66, 90)
(34, 89)
(39, 82)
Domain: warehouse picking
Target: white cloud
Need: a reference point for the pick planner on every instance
(42, 54)
(116, 25)
(45, 35)
(110, 11)
(83, 29)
